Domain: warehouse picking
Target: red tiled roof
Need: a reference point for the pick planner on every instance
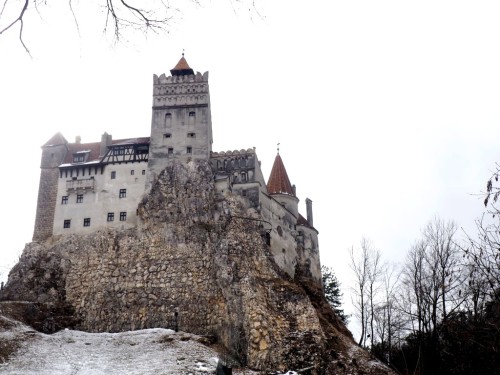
(303, 221)
(182, 68)
(95, 148)
(279, 182)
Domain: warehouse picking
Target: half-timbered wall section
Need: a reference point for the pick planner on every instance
(125, 153)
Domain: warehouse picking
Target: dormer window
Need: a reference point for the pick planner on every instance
(80, 157)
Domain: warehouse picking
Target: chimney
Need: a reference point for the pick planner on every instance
(309, 208)
(106, 140)
(78, 139)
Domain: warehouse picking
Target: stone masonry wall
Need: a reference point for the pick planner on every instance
(47, 195)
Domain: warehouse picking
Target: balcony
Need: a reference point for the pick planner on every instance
(83, 184)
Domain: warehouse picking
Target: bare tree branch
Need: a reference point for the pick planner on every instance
(18, 19)
(70, 3)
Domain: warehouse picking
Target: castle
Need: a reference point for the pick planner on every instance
(85, 187)
(161, 231)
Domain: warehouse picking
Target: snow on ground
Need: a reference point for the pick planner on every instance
(150, 351)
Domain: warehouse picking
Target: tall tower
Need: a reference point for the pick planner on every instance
(53, 154)
(181, 126)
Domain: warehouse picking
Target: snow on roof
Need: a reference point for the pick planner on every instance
(85, 163)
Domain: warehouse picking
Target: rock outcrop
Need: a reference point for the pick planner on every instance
(197, 262)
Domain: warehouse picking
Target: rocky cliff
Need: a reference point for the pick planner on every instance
(197, 262)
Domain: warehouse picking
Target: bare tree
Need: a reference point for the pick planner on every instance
(388, 321)
(359, 265)
(433, 274)
(141, 16)
(483, 255)
(414, 276)
(367, 267)
(443, 259)
(375, 272)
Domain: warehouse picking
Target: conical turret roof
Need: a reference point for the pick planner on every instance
(182, 68)
(56, 140)
(278, 182)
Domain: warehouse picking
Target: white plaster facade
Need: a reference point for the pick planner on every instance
(100, 196)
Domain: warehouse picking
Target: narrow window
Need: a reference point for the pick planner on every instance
(191, 135)
(167, 135)
(170, 150)
(86, 222)
(168, 120)
(123, 193)
(79, 198)
(64, 200)
(113, 175)
(123, 216)
(189, 150)
(132, 172)
(111, 216)
(143, 171)
(244, 192)
(67, 224)
(192, 114)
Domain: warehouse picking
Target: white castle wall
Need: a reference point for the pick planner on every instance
(102, 199)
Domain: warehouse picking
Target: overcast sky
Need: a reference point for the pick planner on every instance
(387, 111)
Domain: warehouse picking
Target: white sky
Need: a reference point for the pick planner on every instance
(387, 112)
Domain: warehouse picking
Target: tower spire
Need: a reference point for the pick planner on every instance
(278, 182)
(182, 68)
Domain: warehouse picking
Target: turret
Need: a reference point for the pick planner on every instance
(280, 188)
(181, 125)
(53, 154)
